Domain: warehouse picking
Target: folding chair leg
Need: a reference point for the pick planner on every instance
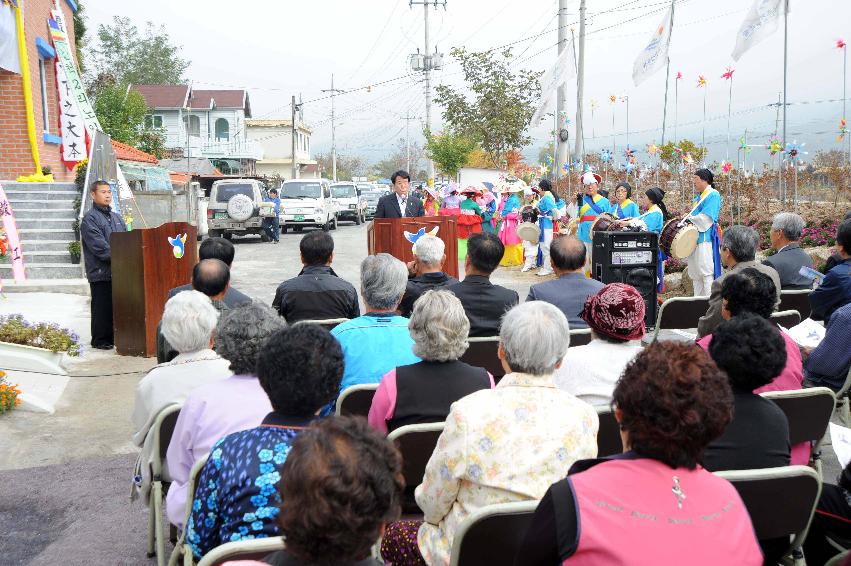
(844, 414)
(157, 503)
(151, 527)
(172, 534)
(179, 549)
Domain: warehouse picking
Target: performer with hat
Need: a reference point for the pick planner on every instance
(487, 202)
(591, 205)
(529, 213)
(508, 216)
(470, 219)
(550, 209)
(431, 204)
(704, 264)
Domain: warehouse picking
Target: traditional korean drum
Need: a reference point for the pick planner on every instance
(678, 240)
(529, 232)
(604, 223)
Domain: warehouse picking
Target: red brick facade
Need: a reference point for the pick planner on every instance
(15, 155)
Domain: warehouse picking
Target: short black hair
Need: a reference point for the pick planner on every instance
(273, 190)
(567, 253)
(705, 174)
(300, 368)
(316, 247)
(627, 186)
(749, 290)
(97, 184)
(210, 276)
(485, 251)
(843, 236)
(750, 349)
(545, 185)
(217, 248)
(400, 173)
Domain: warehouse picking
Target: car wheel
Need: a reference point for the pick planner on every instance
(228, 236)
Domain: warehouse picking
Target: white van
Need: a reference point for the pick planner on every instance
(350, 205)
(307, 202)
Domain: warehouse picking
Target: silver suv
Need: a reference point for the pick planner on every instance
(237, 206)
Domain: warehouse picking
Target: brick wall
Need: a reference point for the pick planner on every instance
(15, 155)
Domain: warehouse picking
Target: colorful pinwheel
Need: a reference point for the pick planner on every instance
(613, 98)
(679, 75)
(743, 145)
(726, 166)
(840, 44)
(843, 129)
(774, 145)
(794, 150)
(728, 74)
(687, 158)
(701, 81)
(543, 169)
(605, 155)
(652, 149)
(629, 153)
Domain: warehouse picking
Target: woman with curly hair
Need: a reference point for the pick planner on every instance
(653, 504)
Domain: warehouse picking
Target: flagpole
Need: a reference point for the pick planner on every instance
(676, 108)
(613, 129)
(627, 120)
(703, 128)
(667, 72)
(729, 110)
(844, 76)
(785, 66)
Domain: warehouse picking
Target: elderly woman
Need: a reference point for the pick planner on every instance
(616, 318)
(503, 444)
(423, 392)
(654, 504)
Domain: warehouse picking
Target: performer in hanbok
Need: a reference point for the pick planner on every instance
(451, 205)
(470, 219)
(431, 204)
(624, 208)
(550, 210)
(531, 250)
(704, 264)
(487, 202)
(591, 205)
(653, 220)
(509, 218)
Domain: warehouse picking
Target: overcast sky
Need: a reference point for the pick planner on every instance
(279, 48)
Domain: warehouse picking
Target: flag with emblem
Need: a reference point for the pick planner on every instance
(655, 54)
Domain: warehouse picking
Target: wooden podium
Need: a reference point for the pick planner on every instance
(387, 235)
(144, 269)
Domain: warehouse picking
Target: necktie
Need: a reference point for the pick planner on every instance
(403, 205)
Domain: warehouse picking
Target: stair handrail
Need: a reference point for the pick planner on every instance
(85, 197)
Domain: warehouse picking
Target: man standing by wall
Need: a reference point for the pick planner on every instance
(97, 225)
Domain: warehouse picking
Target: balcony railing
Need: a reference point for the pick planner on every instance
(223, 149)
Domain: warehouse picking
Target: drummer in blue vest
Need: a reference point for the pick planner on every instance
(591, 205)
(550, 209)
(625, 207)
(653, 220)
(704, 264)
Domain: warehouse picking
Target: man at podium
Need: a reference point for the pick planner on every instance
(400, 203)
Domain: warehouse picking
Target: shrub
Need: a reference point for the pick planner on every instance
(50, 336)
(8, 395)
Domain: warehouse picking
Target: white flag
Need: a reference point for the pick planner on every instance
(761, 21)
(9, 59)
(564, 69)
(655, 55)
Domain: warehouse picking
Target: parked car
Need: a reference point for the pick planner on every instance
(364, 187)
(370, 199)
(237, 206)
(307, 202)
(350, 206)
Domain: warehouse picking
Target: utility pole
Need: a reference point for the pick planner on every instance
(561, 97)
(785, 66)
(295, 108)
(333, 92)
(408, 119)
(580, 74)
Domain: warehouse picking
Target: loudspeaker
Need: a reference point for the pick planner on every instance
(631, 258)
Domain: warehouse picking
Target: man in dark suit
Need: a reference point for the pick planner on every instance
(484, 303)
(785, 232)
(222, 250)
(400, 203)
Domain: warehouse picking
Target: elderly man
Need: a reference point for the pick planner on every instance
(828, 363)
(223, 250)
(317, 293)
(209, 412)
(378, 341)
(400, 203)
(785, 232)
(738, 252)
(571, 288)
(425, 272)
(835, 290)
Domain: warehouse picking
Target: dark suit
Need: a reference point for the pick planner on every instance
(419, 285)
(484, 303)
(233, 298)
(388, 207)
(568, 293)
(788, 262)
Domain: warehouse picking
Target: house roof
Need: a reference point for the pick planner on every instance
(181, 96)
(164, 96)
(223, 98)
(276, 123)
(124, 152)
(197, 165)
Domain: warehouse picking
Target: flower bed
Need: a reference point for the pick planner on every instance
(48, 336)
(8, 395)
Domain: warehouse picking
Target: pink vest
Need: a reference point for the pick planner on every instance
(628, 514)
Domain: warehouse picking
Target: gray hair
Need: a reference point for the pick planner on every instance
(439, 327)
(188, 321)
(535, 337)
(741, 241)
(790, 223)
(383, 279)
(243, 331)
(429, 250)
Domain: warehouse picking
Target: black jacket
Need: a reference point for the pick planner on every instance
(317, 293)
(484, 303)
(233, 298)
(788, 263)
(97, 225)
(388, 207)
(419, 285)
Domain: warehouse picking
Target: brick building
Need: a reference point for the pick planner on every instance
(15, 155)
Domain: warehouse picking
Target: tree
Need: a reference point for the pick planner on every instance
(399, 160)
(501, 104)
(546, 152)
(347, 166)
(152, 140)
(121, 113)
(449, 151)
(673, 158)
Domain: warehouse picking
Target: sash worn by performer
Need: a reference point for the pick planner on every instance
(590, 206)
(704, 264)
(625, 208)
(653, 220)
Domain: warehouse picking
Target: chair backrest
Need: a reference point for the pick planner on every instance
(328, 323)
(786, 319)
(416, 443)
(843, 391)
(256, 549)
(580, 337)
(482, 353)
(492, 535)
(780, 501)
(162, 429)
(356, 400)
(796, 299)
(609, 434)
(807, 410)
(680, 313)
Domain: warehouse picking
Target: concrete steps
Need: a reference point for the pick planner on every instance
(37, 213)
(44, 270)
(47, 246)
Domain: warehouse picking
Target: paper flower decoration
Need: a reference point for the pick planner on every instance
(794, 150)
(843, 129)
(840, 44)
(605, 155)
(629, 166)
(679, 75)
(701, 81)
(728, 74)
(613, 98)
(726, 166)
(774, 145)
(652, 149)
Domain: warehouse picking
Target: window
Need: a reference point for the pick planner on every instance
(153, 121)
(42, 77)
(192, 125)
(222, 129)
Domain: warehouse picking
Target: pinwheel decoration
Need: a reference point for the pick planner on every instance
(605, 155)
(679, 75)
(687, 158)
(548, 159)
(743, 145)
(701, 81)
(629, 154)
(652, 149)
(840, 44)
(613, 98)
(728, 74)
(774, 145)
(726, 166)
(795, 150)
(843, 129)
(543, 169)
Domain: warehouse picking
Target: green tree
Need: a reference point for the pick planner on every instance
(121, 113)
(672, 157)
(496, 114)
(348, 166)
(449, 151)
(399, 160)
(152, 140)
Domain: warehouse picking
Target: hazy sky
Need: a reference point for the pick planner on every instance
(279, 48)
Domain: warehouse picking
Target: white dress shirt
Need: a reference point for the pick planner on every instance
(590, 372)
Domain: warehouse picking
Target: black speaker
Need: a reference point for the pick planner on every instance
(631, 258)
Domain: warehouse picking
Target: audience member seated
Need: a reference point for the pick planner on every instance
(571, 288)
(738, 252)
(500, 445)
(785, 233)
(835, 258)
(378, 341)
(210, 277)
(831, 519)
(317, 293)
(671, 402)
(616, 317)
(828, 363)
(237, 495)
(484, 302)
(423, 392)
(210, 411)
(188, 324)
(835, 290)
(425, 272)
(222, 250)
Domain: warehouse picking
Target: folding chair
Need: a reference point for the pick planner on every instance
(482, 353)
(180, 548)
(492, 535)
(781, 501)
(680, 313)
(609, 434)
(808, 412)
(256, 549)
(580, 337)
(842, 400)
(161, 429)
(356, 400)
(416, 443)
(796, 300)
(327, 324)
(839, 559)
(786, 319)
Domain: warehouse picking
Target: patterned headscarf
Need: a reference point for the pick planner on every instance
(617, 310)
